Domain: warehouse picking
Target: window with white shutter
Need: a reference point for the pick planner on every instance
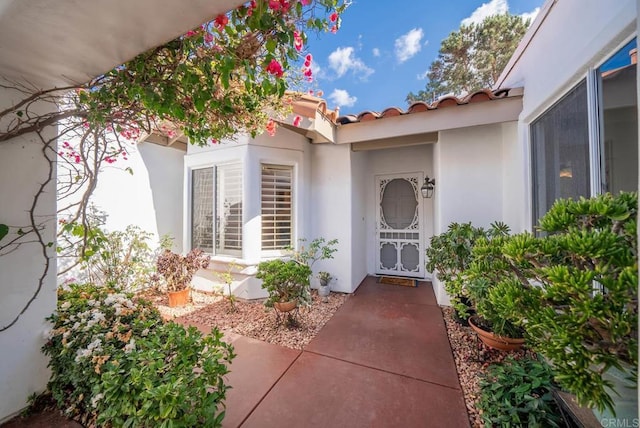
(216, 209)
(277, 207)
(229, 209)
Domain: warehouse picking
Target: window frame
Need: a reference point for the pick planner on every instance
(595, 117)
(189, 228)
(278, 252)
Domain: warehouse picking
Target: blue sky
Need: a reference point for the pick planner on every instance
(383, 49)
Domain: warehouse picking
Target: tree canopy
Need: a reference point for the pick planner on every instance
(473, 57)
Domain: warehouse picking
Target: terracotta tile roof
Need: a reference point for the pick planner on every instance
(307, 105)
(420, 106)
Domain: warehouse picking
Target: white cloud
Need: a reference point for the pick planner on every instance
(343, 60)
(318, 72)
(531, 15)
(494, 7)
(423, 76)
(408, 44)
(341, 98)
(376, 52)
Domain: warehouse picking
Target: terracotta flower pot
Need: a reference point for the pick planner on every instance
(178, 298)
(496, 342)
(286, 306)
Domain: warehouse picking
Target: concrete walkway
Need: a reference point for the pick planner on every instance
(383, 360)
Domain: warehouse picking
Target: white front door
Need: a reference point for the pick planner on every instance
(399, 225)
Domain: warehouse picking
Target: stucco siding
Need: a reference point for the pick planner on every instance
(574, 36)
(23, 367)
(331, 213)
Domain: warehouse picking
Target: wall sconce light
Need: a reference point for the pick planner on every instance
(427, 187)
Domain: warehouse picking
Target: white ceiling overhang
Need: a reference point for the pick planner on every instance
(51, 43)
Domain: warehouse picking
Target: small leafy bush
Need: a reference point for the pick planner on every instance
(178, 270)
(518, 393)
(122, 259)
(285, 281)
(318, 249)
(450, 254)
(114, 362)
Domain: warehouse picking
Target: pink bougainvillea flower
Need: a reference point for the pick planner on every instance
(274, 4)
(221, 21)
(310, 91)
(190, 33)
(297, 120)
(334, 29)
(305, 2)
(271, 128)
(333, 17)
(297, 41)
(308, 72)
(309, 57)
(275, 68)
(208, 37)
(307, 64)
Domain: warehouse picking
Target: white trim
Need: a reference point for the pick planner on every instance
(188, 204)
(594, 118)
(528, 176)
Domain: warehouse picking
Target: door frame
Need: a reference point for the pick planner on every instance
(415, 179)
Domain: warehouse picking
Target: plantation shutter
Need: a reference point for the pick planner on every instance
(229, 209)
(276, 196)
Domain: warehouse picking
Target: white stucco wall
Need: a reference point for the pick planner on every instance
(360, 187)
(331, 211)
(480, 180)
(22, 366)
(470, 176)
(150, 198)
(575, 35)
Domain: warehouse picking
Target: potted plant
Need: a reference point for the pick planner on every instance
(449, 256)
(575, 289)
(487, 271)
(178, 270)
(287, 283)
(324, 290)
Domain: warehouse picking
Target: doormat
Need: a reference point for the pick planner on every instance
(394, 280)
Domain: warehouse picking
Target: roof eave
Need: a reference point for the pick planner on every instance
(425, 123)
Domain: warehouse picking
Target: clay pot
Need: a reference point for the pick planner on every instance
(178, 298)
(286, 306)
(496, 342)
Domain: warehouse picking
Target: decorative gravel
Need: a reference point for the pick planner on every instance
(252, 318)
(472, 360)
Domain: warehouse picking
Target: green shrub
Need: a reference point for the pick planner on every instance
(517, 393)
(575, 290)
(122, 259)
(450, 254)
(114, 362)
(285, 281)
